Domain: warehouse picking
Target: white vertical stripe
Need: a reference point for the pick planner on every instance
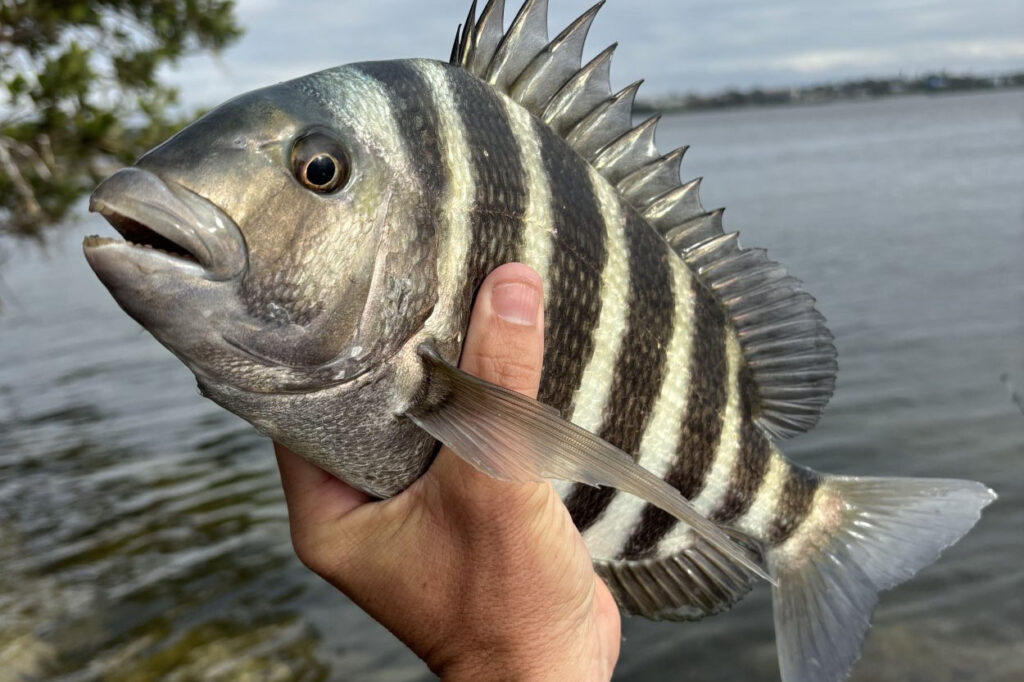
(658, 448)
(456, 232)
(823, 520)
(537, 227)
(596, 381)
(757, 521)
(716, 484)
(366, 99)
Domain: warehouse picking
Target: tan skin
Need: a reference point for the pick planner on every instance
(482, 579)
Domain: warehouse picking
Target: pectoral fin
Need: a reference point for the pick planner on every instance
(514, 438)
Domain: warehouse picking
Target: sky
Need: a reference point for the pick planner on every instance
(676, 45)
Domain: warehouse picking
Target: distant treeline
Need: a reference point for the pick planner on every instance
(826, 92)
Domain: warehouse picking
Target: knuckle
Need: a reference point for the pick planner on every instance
(509, 370)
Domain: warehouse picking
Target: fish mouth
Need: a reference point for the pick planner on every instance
(165, 226)
(136, 235)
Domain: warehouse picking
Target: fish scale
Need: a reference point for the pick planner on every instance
(574, 279)
(639, 365)
(701, 425)
(331, 316)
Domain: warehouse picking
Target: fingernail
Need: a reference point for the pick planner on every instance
(516, 302)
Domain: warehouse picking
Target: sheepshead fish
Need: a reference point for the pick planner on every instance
(311, 250)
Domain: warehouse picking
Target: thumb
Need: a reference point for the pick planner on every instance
(504, 345)
(505, 342)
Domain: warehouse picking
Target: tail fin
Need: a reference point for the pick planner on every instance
(865, 535)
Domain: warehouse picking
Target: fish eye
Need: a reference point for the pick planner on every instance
(320, 163)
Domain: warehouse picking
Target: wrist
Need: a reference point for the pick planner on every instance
(538, 661)
(492, 666)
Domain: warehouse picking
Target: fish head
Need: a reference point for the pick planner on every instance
(258, 240)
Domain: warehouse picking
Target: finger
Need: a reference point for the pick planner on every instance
(505, 342)
(504, 345)
(313, 495)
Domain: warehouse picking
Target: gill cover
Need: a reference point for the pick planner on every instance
(295, 199)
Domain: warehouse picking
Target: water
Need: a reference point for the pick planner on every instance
(143, 531)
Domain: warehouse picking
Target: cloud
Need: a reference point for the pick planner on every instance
(895, 58)
(676, 44)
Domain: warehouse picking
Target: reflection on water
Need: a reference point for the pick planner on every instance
(142, 532)
(142, 529)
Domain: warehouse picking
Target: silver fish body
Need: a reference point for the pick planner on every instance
(328, 314)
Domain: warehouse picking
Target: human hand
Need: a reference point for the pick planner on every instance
(482, 579)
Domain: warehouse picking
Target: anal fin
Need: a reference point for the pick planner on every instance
(690, 584)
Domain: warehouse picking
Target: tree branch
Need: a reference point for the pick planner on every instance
(28, 197)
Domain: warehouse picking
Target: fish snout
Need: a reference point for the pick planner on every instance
(167, 225)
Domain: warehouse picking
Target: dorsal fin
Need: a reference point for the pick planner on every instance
(787, 346)
(789, 350)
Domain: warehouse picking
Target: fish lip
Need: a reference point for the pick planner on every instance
(175, 226)
(101, 252)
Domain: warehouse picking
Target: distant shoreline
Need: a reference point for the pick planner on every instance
(854, 90)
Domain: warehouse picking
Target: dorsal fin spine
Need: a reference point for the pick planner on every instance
(631, 150)
(467, 34)
(523, 41)
(675, 206)
(699, 228)
(553, 67)
(586, 89)
(741, 281)
(645, 184)
(456, 53)
(705, 252)
(485, 39)
(737, 262)
(604, 124)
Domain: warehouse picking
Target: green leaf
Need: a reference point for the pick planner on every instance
(88, 70)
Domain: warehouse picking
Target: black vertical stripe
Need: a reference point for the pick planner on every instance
(640, 368)
(702, 424)
(794, 504)
(752, 461)
(578, 257)
(415, 114)
(640, 365)
(501, 190)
